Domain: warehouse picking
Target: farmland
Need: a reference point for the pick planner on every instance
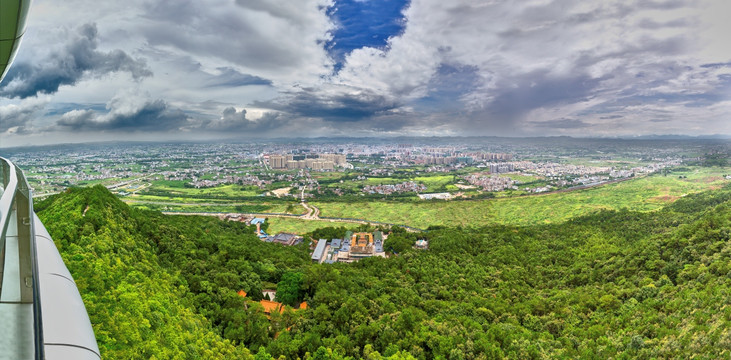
(644, 194)
(301, 226)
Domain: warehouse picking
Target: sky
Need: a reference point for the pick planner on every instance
(91, 70)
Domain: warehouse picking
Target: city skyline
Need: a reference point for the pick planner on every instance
(185, 70)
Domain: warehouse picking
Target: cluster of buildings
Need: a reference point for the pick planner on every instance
(500, 168)
(436, 196)
(435, 160)
(407, 186)
(489, 183)
(554, 169)
(621, 173)
(492, 156)
(310, 161)
(353, 247)
(448, 156)
(286, 239)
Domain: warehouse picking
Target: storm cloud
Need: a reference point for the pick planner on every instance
(18, 117)
(562, 124)
(330, 67)
(235, 121)
(336, 105)
(66, 66)
(154, 116)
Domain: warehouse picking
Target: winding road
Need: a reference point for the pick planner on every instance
(313, 213)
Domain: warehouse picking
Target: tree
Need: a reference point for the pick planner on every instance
(289, 289)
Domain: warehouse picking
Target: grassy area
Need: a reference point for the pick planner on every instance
(215, 207)
(190, 200)
(298, 226)
(433, 183)
(436, 183)
(643, 194)
(417, 214)
(520, 177)
(176, 188)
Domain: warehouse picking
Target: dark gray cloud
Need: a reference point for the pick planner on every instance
(664, 4)
(446, 88)
(464, 67)
(277, 37)
(652, 88)
(519, 95)
(716, 65)
(19, 117)
(652, 24)
(66, 66)
(339, 106)
(560, 124)
(148, 116)
(231, 78)
(236, 121)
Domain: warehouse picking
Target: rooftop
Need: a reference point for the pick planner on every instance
(319, 250)
(270, 306)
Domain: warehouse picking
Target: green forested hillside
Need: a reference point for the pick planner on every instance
(617, 284)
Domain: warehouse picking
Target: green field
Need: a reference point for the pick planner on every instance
(209, 205)
(193, 208)
(176, 188)
(298, 226)
(520, 177)
(433, 183)
(643, 194)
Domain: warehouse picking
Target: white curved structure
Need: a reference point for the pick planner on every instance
(42, 315)
(12, 28)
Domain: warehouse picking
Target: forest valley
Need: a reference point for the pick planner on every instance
(613, 284)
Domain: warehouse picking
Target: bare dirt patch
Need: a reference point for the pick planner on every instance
(281, 192)
(709, 179)
(464, 187)
(664, 198)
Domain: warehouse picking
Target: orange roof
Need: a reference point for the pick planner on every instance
(270, 306)
(242, 293)
(303, 305)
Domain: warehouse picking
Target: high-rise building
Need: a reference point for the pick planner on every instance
(277, 161)
(315, 162)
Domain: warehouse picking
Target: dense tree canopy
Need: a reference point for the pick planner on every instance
(615, 284)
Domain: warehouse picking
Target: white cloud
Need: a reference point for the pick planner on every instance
(610, 66)
(18, 117)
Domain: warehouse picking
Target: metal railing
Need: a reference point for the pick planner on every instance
(32, 274)
(17, 196)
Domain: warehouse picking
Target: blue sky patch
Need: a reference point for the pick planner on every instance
(362, 23)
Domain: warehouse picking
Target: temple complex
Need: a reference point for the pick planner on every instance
(353, 247)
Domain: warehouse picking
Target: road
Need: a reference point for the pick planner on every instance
(110, 187)
(313, 213)
(221, 215)
(125, 183)
(153, 202)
